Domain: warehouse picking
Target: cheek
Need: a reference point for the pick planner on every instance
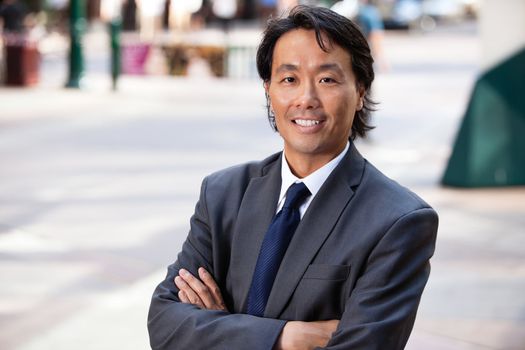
(279, 110)
(279, 102)
(342, 105)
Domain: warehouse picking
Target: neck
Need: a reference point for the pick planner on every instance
(304, 166)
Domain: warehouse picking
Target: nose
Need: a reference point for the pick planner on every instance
(308, 97)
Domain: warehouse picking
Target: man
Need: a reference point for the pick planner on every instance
(311, 247)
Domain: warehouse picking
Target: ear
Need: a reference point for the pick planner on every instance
(360, 104)
(361, 97)
(266, 85)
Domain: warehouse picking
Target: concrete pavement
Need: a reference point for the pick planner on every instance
(96, 189)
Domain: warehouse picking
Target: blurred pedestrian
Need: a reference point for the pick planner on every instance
(225, 11)
(371, 23)
(367, 16)
(129, 15)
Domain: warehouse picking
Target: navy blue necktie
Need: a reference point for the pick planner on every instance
(274, 246)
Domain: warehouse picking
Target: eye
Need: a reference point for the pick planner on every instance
(288, 80)
(328, 80)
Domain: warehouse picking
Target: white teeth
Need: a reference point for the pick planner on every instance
(304, 122)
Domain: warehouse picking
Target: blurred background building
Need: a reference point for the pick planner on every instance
(177, 32)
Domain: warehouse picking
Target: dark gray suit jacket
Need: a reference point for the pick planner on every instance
(360, 254)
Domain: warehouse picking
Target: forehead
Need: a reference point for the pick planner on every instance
(300, 47)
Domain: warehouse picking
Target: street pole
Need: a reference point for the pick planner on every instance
(77, 24)
(115, 28)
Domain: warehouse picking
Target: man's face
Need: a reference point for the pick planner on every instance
(314, 96)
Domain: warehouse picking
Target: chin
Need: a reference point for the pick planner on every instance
(306, 149)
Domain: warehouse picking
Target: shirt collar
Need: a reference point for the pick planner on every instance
(314, 181)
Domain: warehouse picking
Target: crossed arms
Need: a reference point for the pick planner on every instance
(204, 293)
(191, 312)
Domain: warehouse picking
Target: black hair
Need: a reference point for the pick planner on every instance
(337, 29)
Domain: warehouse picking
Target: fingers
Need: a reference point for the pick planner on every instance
(205, 296)
(214, 289)
(194, 289)
(187, 294)
(183, 297)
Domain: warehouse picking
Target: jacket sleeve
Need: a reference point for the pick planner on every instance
(174, 325)
(380, 311)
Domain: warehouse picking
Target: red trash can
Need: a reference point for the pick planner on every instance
(22, 60)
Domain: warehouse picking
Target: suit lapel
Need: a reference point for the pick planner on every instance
(255, 214)
(314, 229)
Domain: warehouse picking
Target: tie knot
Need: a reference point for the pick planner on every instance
(295, 195)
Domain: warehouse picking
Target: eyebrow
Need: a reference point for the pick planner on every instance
(330, 66)
(286, 67)
(324, 67)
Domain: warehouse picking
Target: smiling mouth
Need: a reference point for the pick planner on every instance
(306, 122)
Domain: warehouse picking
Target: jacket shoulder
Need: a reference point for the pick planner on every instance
(391, 197)
(240, 175)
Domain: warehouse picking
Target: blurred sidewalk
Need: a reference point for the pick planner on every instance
(96, 191)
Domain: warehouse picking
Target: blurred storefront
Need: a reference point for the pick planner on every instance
(178, 32)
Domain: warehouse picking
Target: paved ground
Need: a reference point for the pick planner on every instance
(96, 189)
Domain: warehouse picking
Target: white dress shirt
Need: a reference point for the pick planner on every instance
(313, 182)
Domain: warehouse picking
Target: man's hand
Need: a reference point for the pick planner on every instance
(297, 335)
(203, 293)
